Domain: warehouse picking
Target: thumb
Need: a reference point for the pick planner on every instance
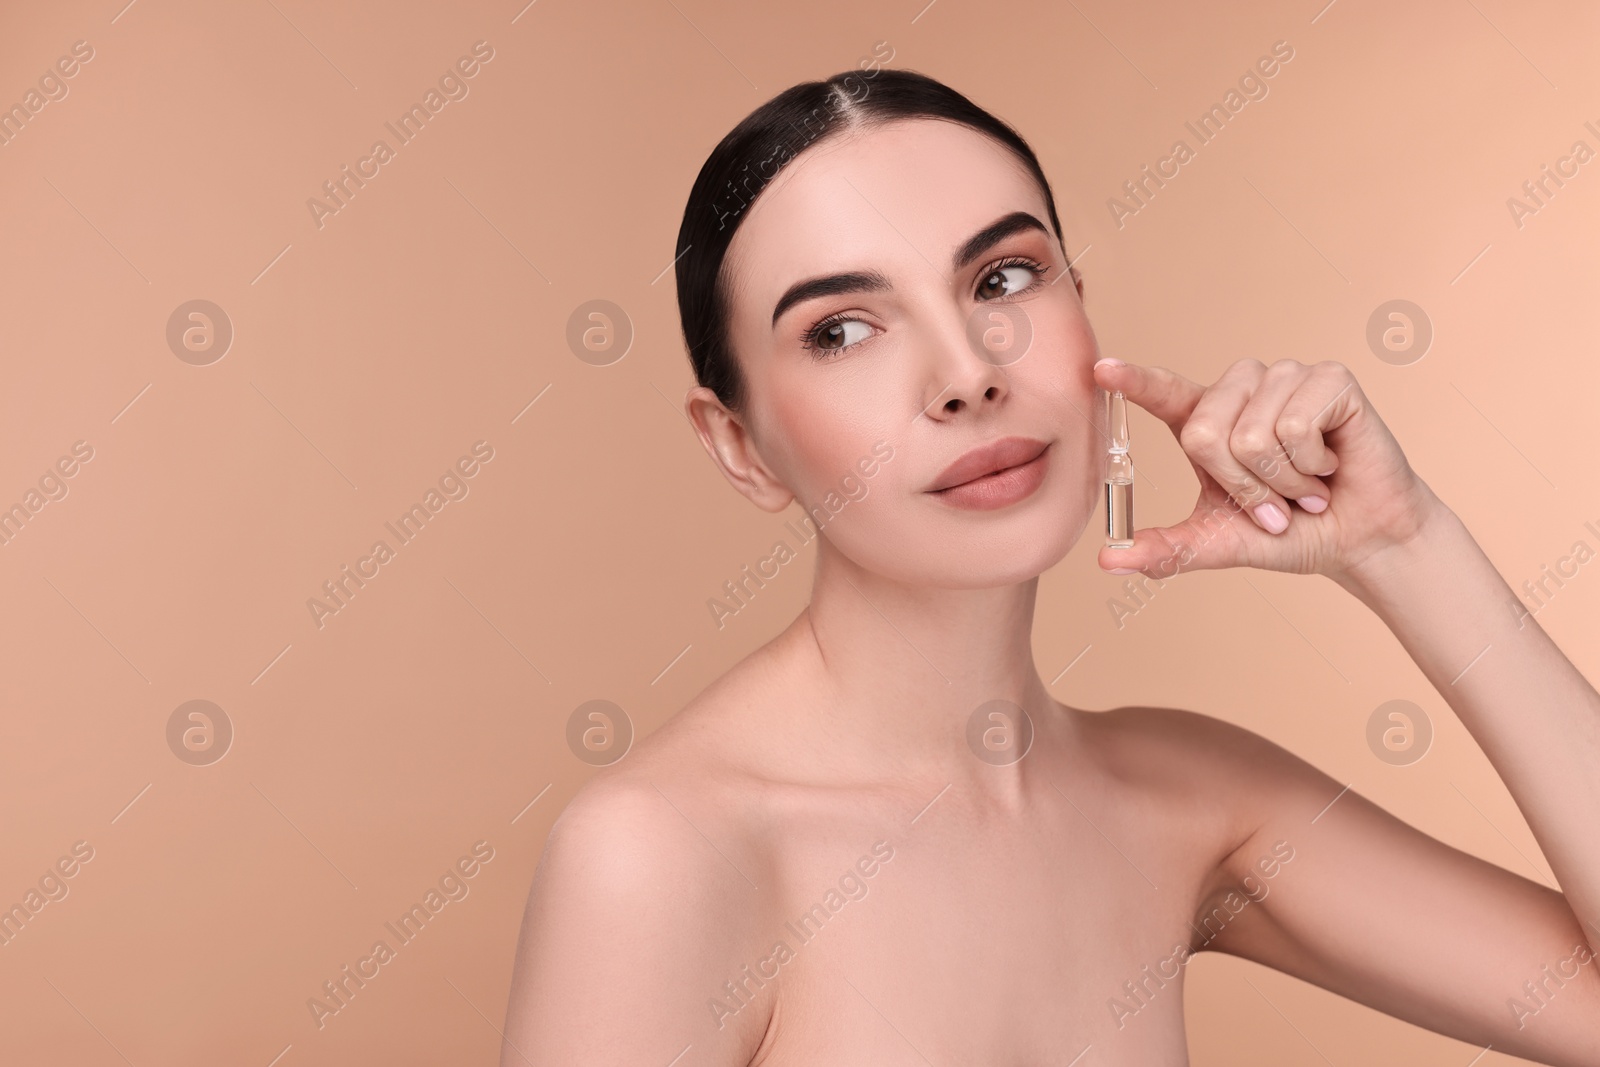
(1206, 540)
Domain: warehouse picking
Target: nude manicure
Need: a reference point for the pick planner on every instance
(1270, 517)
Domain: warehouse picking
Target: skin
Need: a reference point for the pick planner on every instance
(1017, 898)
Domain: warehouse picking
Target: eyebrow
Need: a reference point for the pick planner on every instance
(872, 281)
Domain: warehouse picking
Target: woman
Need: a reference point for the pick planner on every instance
(878, 839)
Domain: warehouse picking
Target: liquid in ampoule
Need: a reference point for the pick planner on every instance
(1119, 475)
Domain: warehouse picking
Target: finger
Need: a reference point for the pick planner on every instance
(1167, 395)
(1327, 400)
(1207, 435)
(1207, 539)
(1148, 550)
(1255, 442)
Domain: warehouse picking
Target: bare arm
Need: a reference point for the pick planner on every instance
(1377, 911)
(1372, 908)
(1536, 717)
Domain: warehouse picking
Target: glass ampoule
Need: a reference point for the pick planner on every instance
(1119, 474)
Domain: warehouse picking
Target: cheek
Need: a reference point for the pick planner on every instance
(824, 436)
(1058, 373)
(1057, 376)
(828, 457)
(1070, 342)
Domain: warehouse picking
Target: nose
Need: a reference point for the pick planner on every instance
(960, 375)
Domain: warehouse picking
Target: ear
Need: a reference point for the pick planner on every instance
(727, 440)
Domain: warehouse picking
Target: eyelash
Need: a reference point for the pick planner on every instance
(808, 338)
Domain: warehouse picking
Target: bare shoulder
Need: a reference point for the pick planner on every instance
(700, 779)
(1179, 737)
(1191, 755)
(642, 905)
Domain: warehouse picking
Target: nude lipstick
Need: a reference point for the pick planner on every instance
(994, 475)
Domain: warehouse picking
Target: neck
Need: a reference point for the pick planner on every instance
(904, 667)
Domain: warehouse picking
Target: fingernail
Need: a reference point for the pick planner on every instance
(1123, 570)
(1270, 517)
(1312, 504)
(1327, 472)
(1110, 361)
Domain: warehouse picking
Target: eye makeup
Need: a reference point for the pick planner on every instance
(809, 338)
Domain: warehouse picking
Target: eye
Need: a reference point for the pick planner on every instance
(832, 335)
(1011, 276)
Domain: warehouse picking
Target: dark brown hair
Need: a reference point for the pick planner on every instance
(750, 156)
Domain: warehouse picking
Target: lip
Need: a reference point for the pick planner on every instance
(994, 475)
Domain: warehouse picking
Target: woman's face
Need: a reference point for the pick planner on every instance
(864, 392)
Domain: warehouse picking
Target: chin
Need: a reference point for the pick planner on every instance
(971, 550)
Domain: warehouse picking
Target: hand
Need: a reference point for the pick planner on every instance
(1257, 439)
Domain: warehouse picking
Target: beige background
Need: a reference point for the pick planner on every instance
(427, 314)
